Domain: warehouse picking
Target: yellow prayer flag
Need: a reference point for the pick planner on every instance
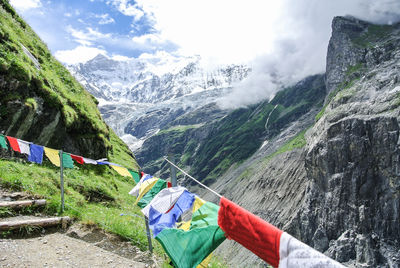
(205, 262)
(145, 187)
(53, 155)
(122, 171)
(185, 225)
(198, 202)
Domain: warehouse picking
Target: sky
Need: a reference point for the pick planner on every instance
(282, 41)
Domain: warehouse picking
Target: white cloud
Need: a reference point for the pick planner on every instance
(86, 37)
(79, 54)
(24, 5)
(127, 8)
(105, 19)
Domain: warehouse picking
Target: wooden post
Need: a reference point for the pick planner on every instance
(148, 234)
(62, 181)
(172, 171)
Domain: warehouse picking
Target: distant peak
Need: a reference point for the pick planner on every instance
(99, 57)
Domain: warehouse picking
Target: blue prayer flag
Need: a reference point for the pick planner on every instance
(36, 153)
(159, 221)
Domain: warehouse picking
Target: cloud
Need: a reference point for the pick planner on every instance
(86, 37)
(299, 49)
(24, 5)
(79, 54)
(105, 19)
(127, 8)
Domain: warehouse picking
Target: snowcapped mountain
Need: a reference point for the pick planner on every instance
(138, 96)
(151, 80)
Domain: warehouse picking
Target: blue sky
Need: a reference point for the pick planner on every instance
(76, 28)
(291, 35)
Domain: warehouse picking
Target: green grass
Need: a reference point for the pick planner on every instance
(298, 141)
(373, 34)
(91, 196)
(352, 75)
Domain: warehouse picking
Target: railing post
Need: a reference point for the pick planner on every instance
(62, 181)
(148, 234)
(172, 171)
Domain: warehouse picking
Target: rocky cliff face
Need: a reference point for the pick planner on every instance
(340, 193)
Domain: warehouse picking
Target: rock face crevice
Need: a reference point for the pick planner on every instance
(354, 197)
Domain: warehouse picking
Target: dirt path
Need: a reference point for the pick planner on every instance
(58, 250)
(78, 246)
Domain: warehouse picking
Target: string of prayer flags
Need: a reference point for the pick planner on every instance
(164, 200)
(159, 221)
(23, 146)
(78, 159)
(3, 143)
(13, 143)
(36, 153)
(121, 171)
(158, 186)
(135, 175)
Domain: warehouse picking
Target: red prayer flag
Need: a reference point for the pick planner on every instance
(252, 232)
(14, 144)
(78, 159)
(169, 184)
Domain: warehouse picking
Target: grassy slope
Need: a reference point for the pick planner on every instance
(52, 82)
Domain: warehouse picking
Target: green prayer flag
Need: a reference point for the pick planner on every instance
(135, 175)
(205, 216)
(67, 161)
(3, 142)
(146, 199)
(189, 248)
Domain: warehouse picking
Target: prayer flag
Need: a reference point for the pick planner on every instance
(107, 163)
(135, 190)
(53, 155)
(146, 199)
(198, 202)
(67, 160)
(89, 161)
(190, 248)
(250, 231)
(159, 221)
(164, 200)
(3, 142)
(145, 187)
(23, 146)
(205, 216)
(135, 175)
(36, 153)
(294, 253)
(122, 171)
(146, 177)
(78, 159)
(14, 144)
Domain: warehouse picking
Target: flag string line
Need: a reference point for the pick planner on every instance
(5, 136)
(187, 174)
